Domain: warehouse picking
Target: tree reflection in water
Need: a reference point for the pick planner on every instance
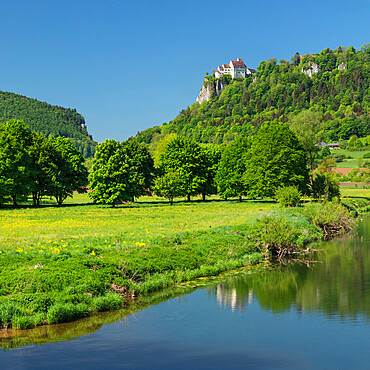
(336, 285)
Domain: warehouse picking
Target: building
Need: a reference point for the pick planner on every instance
(236, 68)
(330, 145)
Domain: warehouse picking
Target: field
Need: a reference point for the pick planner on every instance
(349, 163)
(58, 264)
(75, 227)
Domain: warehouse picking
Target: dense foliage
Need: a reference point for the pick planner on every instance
(120, 172)
(30, 163)
(341, 98)
(47, 119)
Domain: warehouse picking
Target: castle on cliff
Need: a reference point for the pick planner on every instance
(236, 68)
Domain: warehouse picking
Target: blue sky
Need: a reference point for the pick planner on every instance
(129, 65)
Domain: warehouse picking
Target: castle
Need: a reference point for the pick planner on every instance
(236, 68)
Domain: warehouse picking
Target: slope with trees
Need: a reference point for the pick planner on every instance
(340, 98)
(47, 119)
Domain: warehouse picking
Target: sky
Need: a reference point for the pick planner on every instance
(130, 65)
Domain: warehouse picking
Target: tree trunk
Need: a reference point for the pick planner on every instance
(240, 198)
(14, 200)
(203, 197)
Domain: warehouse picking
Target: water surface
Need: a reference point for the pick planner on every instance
(314, 314)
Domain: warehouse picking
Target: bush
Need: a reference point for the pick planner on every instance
(67, 312)
(275, 233)
(325, 186)
(23, 322)
(109, 302)
(288, 196)
(7, 312)
(331, 217)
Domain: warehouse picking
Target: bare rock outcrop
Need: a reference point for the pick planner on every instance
(210, 88)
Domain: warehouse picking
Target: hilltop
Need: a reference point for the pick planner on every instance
(334, 83)
(48, 119)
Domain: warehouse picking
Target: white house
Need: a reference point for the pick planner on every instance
(236, 69)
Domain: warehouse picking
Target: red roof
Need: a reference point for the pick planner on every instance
(237, 63)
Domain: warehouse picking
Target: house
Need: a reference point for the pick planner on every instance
(236, 68)
(330, 145)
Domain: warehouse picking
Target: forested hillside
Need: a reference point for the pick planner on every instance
(339, 92)
(48, 119)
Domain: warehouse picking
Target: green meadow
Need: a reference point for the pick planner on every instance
(58, 264)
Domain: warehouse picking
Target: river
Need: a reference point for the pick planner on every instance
(311, 314)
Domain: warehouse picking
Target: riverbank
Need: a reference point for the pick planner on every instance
(88, 259)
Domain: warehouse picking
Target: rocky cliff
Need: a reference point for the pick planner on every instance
(210, 87)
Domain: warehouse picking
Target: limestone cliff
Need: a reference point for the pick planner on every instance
(310, 68)
(210, 88)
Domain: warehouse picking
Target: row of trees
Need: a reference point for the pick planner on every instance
(252, 167)
(31, 164)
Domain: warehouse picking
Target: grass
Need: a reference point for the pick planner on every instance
(349, 163)
(62, 263)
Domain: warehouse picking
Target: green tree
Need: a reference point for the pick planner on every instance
(69, 173)
(169, 186)
(276, 159)
(186, 157)
(212, 159)
(141, 167)
(109, 177)
(15, 162)
(307, 126)
(43, 155)
(229, 177)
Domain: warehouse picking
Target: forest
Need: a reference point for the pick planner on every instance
(48, 119)
(278, 92)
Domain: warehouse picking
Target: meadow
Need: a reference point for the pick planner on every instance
(58, 264)
(351, 162)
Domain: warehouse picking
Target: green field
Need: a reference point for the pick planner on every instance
(58, 264)
(349, 163)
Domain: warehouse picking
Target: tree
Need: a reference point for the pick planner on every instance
(276, 159)
(43, 155)
(169, 186)
(15, 162)
(186, 157)
(141, 167)
(212, 159)
(297, 58)
(110, 174)
(229, 177)
(307, 126)
(69, 173)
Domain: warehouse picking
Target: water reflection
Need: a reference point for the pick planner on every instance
(334, 283)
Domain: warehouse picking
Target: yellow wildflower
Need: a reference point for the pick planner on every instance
(92, 253)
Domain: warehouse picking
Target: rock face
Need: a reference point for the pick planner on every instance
(311, 69)
(342, 66)
(210, 88)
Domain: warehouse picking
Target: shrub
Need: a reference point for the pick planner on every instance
(275, 233)
(331, 217)
(7, 312)
(288, 196)
(325, 186)
(366, 155)
(23, 322)
(67, 312)
(109, 302)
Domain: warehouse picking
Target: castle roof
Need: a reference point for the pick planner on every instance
(237, 63)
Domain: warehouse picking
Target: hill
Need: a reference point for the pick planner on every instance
(334, 83)
(48, 119)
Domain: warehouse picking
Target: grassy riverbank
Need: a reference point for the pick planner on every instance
(59, 264)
